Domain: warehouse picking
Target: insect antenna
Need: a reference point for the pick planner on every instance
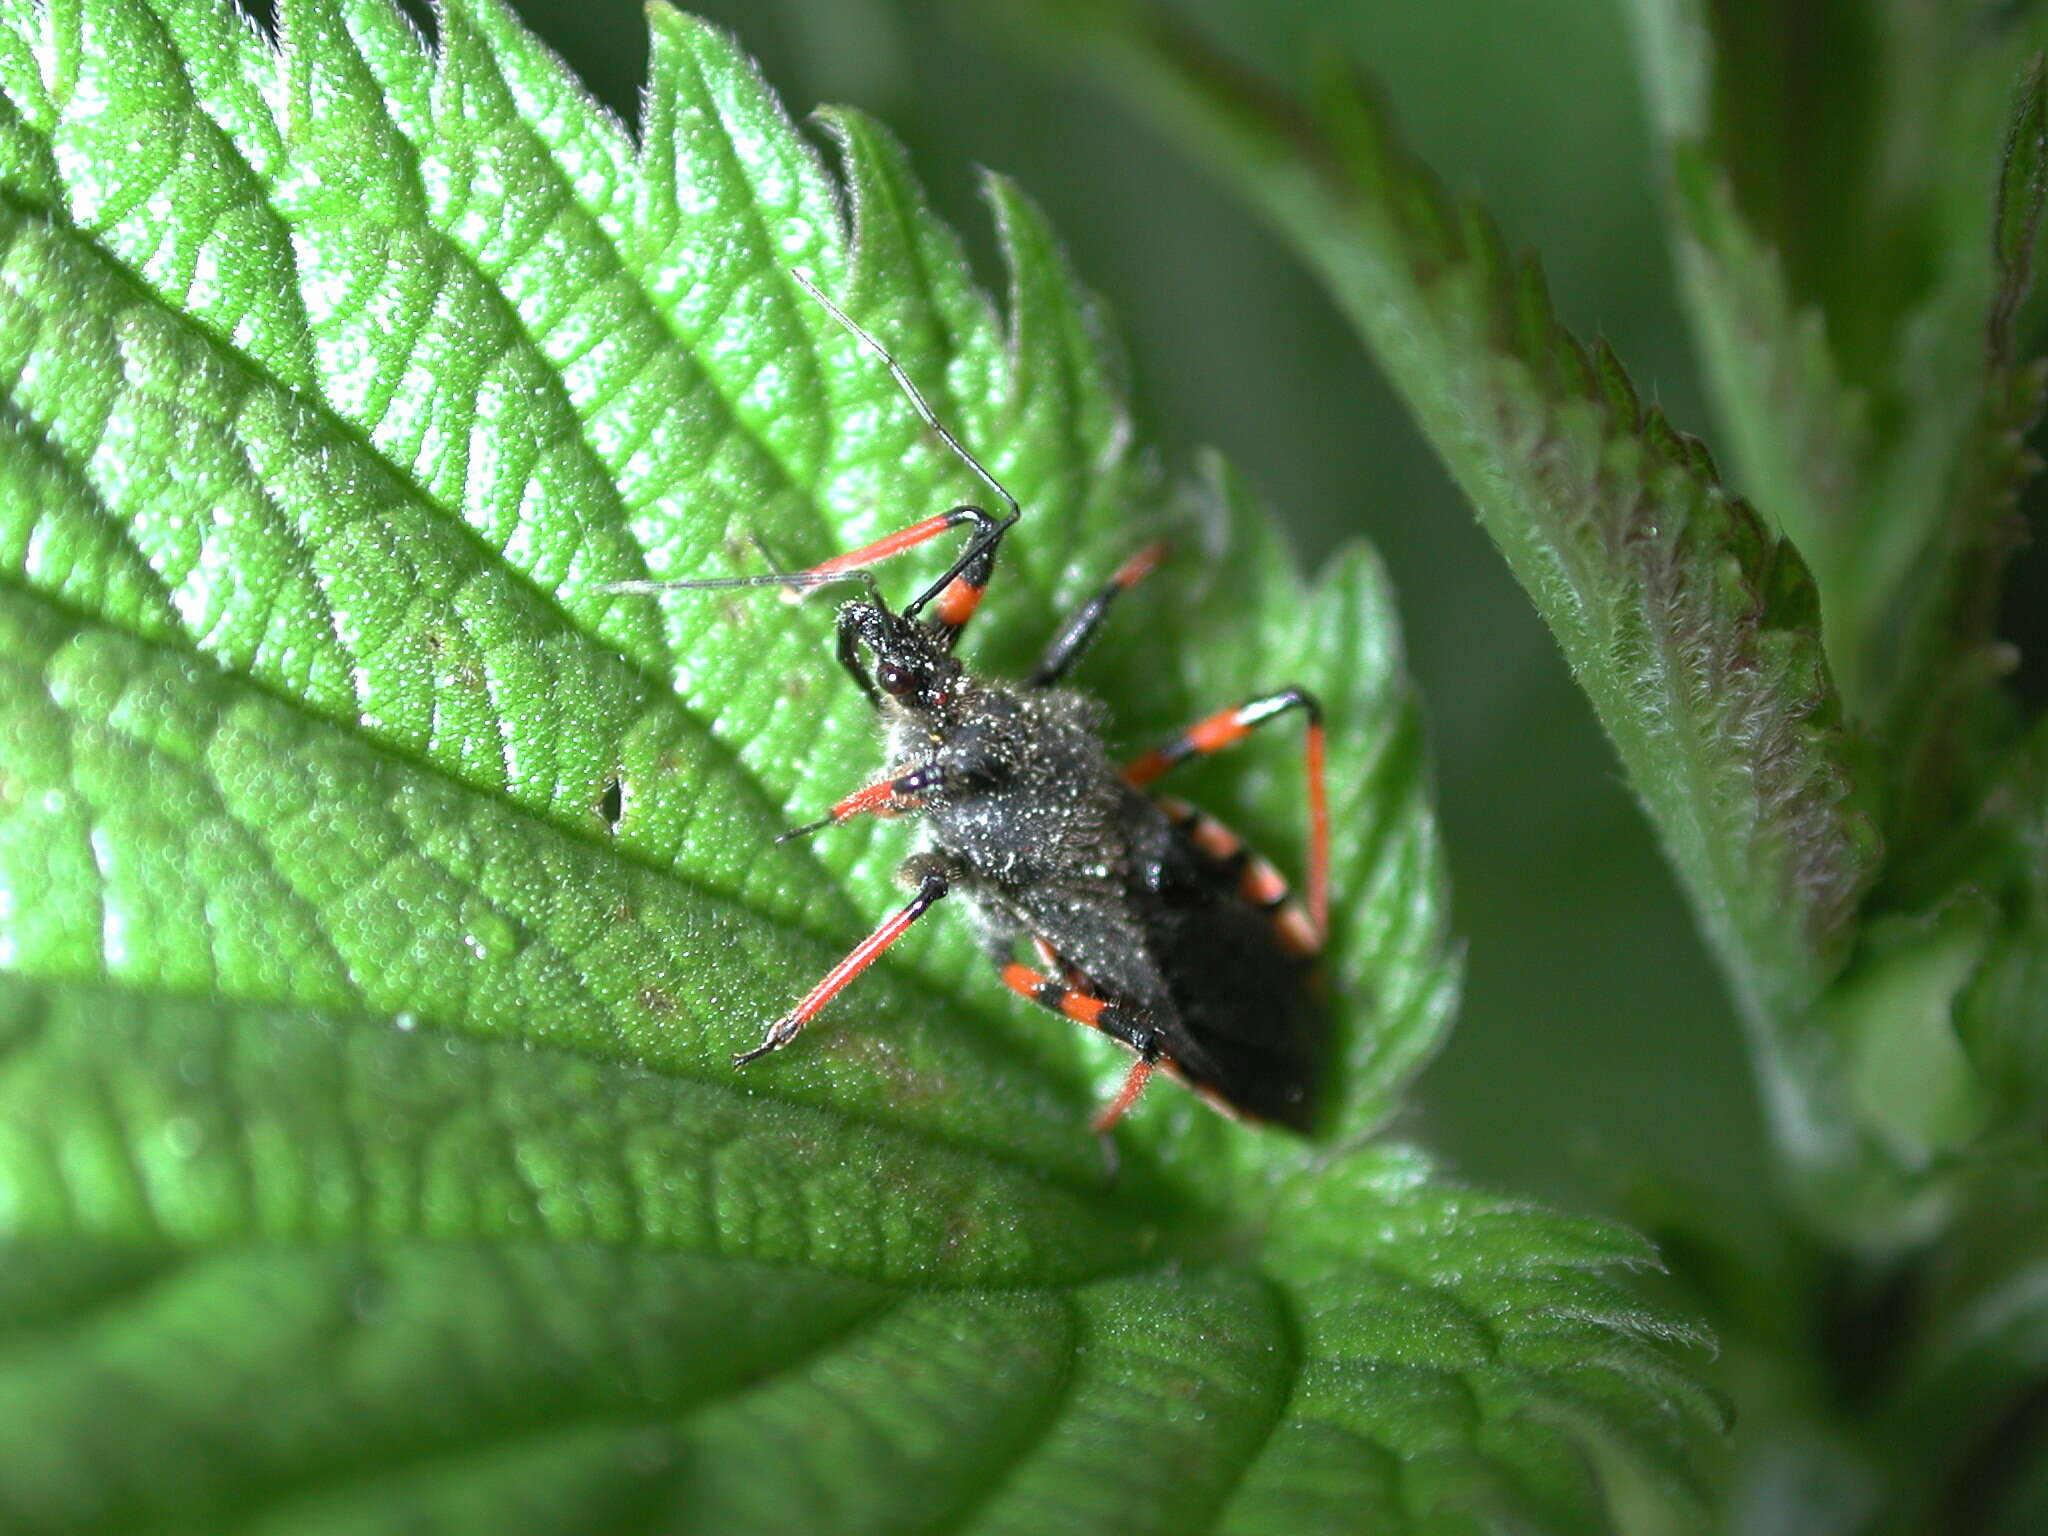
(797, 581)
(910, 391)
(973, 562)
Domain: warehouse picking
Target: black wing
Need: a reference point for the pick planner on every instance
(1247, 1022)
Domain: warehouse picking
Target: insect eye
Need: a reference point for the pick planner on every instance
(894, 680)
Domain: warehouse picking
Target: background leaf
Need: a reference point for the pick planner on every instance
(384, 898)
(1863, 335)
(1881, 407)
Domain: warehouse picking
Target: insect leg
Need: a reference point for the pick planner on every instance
(851, 630)
(932, 885)
(958, 592)
(1074, 635)
(1134, 1084)
(886, 797)
(1071, 1002)
(1049, 958)
(1229, 726)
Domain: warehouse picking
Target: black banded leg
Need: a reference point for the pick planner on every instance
(1226, 728)
(1078, 632)
(932, 886)
(1072, 1003)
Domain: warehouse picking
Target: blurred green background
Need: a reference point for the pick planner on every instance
(1595, 1043)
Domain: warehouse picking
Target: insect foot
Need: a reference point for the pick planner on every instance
(931, 874)
(780, 1033)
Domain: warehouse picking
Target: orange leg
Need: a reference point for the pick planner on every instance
(888, 797)
(1072, 1003)
(959, 594)
(933, 886)
(1259, 884)
(1226, 728)
(1126, 1096)
(1074, 635)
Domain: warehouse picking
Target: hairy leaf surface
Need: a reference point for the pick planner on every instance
(1897, 467)
(381, 899)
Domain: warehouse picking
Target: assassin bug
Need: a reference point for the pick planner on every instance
(1153, 922)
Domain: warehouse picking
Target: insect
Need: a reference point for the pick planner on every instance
(1148, 920)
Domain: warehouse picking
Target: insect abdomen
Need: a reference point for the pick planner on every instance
(1248, 1008)
(1229, 945)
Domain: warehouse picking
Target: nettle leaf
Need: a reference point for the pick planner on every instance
(381, 896)
(1691, 626)
(2000, 1013)
(1896, 469)
(1973, 1350)
(1945, 714)
(1799, 432)
(1877, 406)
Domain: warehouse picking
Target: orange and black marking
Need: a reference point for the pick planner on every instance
(958, 593)
(1302, 931)
(1083, 1007)
(1068, 1001)
(1074, 635)
(1257, 882)
(958, 601)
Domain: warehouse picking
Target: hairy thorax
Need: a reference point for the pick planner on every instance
(1030, 796)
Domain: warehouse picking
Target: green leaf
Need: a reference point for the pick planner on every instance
(1950, 661)
(1874, 394)
(381, 897)
(556, 1294)
(1799, 433)
(1896, 468)
(1999, 859)
(1690, 626)
(1803, 134)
